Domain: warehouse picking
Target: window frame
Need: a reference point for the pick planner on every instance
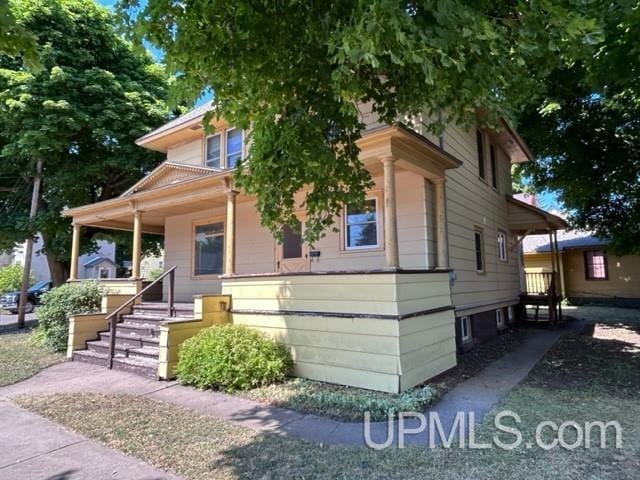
(206, 150)
(586, 266)
(481, 154)
(480, 232)
(493, 160)
(197, 223)
(226, 142)
(502, 233)
(379, 227)
(500, 319)
(465, 325)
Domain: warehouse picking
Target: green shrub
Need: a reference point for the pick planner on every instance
(11, 278)
(57, 305)
(154, 274)
(342, 402)
(232, 358)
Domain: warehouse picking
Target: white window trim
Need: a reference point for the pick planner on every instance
(500, 319)
(226, 154)
(503, 255)
(206, 149)
(465, 324)
(378, 244)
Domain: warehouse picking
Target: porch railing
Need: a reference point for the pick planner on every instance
(539, 283)
(114, 317)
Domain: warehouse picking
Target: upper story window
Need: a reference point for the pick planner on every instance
(502, 246)
(361, 225)
(231, 144)
(234, 147)
(595, 265)
(479, 249)
(212, 154)
(494, 166)
(480, 146)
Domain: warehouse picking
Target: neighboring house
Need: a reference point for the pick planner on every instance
(588, 273)
(430, 265)
(6, 259)
(151, 264)
(40, 268)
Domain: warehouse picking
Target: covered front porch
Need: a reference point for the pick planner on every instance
(538, 289)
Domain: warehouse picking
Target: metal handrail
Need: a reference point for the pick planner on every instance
(114, 317)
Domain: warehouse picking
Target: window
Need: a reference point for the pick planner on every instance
(212, 158)
(500, 318)
(595, 265)
(465, 329)
(494, 171)
(104, 272)
(234, 147)
(479, 249)
(480, 143)
(292, 241)
(502, 246)
(209, 245)
(361, 225)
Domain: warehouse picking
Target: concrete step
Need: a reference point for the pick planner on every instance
(130, 340)
(102, 347)
(137, 329)
(157, 308)
(139, 366)
(146, 318)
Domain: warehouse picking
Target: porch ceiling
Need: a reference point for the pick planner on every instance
(155, 205)
(527, 219)
(412, 151)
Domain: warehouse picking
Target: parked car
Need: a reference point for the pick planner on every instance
(11, 300)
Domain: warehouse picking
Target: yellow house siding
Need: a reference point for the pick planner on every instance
(189, 153)
(624, 273)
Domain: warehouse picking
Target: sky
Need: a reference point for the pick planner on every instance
(546, 200)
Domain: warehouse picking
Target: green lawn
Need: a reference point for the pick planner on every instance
(582, 378)
(19, 359)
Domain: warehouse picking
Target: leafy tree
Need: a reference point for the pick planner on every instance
(295, 72)
(80, 114)
(586, 132)
(15, 39)
(11, 278)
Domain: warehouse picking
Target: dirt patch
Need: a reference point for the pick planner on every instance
(472, 362)
(605, 359)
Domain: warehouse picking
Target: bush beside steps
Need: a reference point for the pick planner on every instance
(232, 358)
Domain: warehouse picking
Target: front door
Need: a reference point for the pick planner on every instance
(292, 255)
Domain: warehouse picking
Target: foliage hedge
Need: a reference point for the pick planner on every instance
(57, 305)
(11, 278)
(232, 358)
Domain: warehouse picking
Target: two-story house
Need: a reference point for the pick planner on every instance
(431, 264)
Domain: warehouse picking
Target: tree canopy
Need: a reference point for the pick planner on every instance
(586, 131)
(80, 113)
(295, 72)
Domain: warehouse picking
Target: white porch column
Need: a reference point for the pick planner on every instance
(442, 247)
(390, 214)
(137, 245)
(75, 252)
(230, 234)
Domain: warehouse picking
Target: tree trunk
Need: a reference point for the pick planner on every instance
(58, 270)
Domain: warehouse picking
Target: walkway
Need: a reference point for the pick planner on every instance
(478, 395)
(32, 447)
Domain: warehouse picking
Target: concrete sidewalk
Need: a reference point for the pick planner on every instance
(33, 448)
(478, 395)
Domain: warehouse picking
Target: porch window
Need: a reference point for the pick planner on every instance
(465, 329)
(209, 247)
(212, 158)
(361, 225)
(480, 146)
(234, 147)
(595, 263)
(502, 246)
(479, 249)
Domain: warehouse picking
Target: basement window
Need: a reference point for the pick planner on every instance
(500, 319)
(465, 329)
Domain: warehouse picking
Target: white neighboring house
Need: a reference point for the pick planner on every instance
(151, 264)
(100, 264)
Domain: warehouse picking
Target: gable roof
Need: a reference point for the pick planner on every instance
(97, 260)
(194, 114)
(169, 173)
(567, 240)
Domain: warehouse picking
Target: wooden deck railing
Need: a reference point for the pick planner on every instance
(539, 283)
